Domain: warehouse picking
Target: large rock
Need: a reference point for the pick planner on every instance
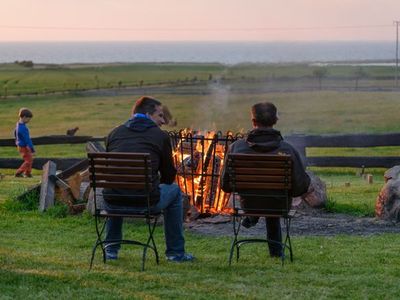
(316, 195)
(387, 205)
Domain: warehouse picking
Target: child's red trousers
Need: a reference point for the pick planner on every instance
(27, 156)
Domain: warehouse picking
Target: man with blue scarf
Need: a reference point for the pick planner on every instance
(142, 134)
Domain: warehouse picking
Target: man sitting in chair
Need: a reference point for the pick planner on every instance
(265, 139)
(142, 134)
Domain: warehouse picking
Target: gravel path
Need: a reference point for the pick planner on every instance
(307, 223)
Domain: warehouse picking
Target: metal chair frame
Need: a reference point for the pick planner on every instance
(267, 177)
(127, 171)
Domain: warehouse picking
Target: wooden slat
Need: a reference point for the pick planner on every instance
(39, 162)
(260, 186)
(119, 185)
(119, 162)
(118, 177)
(54, 139)
(259, 157)
(120, 155)
(346, 140)
(357, 161)
(118, 170)
(260, 178)
(259, 171)
(260, 164)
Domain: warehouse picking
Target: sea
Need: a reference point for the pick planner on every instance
(198, 52)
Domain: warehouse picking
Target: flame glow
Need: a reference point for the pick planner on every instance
(199, 159)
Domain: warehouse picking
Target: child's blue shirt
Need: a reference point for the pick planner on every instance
(22, 137)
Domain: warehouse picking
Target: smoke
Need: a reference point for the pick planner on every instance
(215, 106)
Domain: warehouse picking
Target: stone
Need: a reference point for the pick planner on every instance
(387, 204)
(315, 197)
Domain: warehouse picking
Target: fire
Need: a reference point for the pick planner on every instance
(199, 159)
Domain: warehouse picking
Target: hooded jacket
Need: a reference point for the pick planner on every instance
(269, 141)
(142, 135)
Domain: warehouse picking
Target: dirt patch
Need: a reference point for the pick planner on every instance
(312, 222)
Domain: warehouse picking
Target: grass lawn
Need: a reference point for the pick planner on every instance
(42, 257)
(47, 255)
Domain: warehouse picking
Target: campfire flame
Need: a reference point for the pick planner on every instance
(199, 159)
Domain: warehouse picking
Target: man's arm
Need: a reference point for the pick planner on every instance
(167, 168)
(300, 179)
(225, 176)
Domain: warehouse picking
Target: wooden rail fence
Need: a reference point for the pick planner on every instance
(301, 142)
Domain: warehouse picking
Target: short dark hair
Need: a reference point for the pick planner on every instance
(145, 105)
(24, 112)
(265, 114)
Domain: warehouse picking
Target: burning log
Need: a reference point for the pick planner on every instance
(199, 159)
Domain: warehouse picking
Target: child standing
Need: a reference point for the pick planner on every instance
(24, 143)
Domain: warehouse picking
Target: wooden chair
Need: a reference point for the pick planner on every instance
(263, 183)
(127, 179)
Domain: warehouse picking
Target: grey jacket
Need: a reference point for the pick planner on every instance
(269, 140)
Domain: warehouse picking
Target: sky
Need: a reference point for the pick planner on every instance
(198, 20)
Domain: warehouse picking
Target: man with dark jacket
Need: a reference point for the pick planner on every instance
(142, 134)
(265, 139)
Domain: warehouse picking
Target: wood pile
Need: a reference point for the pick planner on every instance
(70, 186)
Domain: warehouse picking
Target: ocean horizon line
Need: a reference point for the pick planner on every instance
(201, 41)
(224, 52)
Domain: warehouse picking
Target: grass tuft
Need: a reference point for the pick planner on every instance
(13, 204)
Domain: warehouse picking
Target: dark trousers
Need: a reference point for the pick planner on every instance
(274, 233)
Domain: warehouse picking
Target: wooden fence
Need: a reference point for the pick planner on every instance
(301, 142)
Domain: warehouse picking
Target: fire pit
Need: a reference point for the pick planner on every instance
(199, 158)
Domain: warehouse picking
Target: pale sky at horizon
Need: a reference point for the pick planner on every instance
(196, 20)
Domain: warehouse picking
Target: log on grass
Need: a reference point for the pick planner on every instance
(47, 189)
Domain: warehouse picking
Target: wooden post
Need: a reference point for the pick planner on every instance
(47, 188)
(370, 178)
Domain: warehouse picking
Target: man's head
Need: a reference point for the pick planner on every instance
(264, 114)
(150, 107)
(25, 115)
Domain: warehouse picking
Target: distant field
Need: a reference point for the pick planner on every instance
(305, 112)
(16, 79)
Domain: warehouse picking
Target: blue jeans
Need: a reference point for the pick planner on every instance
(171, 205)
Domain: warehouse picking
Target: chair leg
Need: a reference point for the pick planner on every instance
(153, 241)
(288, 242)
(151, 227)
(236, 228)
(99, 241)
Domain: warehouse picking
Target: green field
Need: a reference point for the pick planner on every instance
(15, 79)
(46, 255)
(303, 112)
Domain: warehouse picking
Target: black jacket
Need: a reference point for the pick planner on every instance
(142, 135)
(268, 140)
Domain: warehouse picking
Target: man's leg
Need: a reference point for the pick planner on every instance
(274, 233)
(113, 232)
(171, 204)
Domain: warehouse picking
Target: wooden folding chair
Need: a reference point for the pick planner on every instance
(127, 179)
(263, 183)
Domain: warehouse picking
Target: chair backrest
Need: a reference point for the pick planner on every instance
(263, 182)
(124, 175)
